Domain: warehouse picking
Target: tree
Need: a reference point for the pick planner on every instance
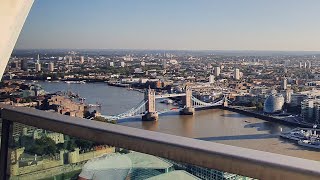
(44, 146)
(252, 103)
(99, 118)
(83, 144)
(102, 119)
(71, 145)
(259, 106)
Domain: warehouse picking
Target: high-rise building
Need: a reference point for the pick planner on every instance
(111, 64)
(211, 79)
(143, 63)
(15, 64)
(237, 74)
(24, 64)
(81, 59)
(300, 65)
(284, 84)
(308, 109)
(288, 96)
(38, 67)
(69, 59)
(217, 71)
(309, 64)
(38, 59)
(305, 65)
(51, 66)
(317, 113)
(122, 64)
(164, 64)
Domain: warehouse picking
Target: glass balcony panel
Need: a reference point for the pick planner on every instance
(40, 154)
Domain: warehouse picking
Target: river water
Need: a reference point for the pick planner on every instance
(216, 125)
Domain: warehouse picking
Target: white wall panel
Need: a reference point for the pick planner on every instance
(13, 14)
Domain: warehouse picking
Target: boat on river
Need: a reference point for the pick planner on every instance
(95, 105)
(167, 101)
(310, 143)
(75, 82)
(307, 137)
(297, 134)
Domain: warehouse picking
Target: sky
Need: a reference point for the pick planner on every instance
(280, 25)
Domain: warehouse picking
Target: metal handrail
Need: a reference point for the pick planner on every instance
(237, 160)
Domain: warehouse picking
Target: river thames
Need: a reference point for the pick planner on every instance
(215, 125)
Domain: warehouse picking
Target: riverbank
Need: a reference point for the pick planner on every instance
(287, 121)
(73, 81)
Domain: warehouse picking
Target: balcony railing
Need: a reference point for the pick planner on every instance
(246, 162)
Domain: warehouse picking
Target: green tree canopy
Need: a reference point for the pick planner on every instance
(44, 146)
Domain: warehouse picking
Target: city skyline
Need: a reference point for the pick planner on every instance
(178, 25)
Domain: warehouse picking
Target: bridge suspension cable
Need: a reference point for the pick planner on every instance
(137, 110)
(198, 103)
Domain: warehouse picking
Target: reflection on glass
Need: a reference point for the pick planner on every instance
(41, 154)
(38, 154)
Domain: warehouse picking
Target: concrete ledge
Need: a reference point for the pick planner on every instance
(247, 162)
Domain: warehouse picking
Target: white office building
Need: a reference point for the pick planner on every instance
(81, 59)
(38, 67)
(51, 66)
(309, 64)
(284, 84)
(211, 79)
(69, 59)
(237, 74)
(217, 71)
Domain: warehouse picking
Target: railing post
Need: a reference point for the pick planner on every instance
(6, 135)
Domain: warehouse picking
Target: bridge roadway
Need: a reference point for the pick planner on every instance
(140, 110)
(169, 95)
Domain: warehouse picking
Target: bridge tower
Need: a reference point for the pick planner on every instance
(225, 101)
(188, 109)
(152, 114)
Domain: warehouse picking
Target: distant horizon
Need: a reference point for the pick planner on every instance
(132, 49)
(137, 49)
(196, 52)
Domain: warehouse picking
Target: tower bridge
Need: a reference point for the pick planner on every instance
(147, 107)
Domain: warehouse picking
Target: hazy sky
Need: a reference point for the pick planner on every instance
(173, 24)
